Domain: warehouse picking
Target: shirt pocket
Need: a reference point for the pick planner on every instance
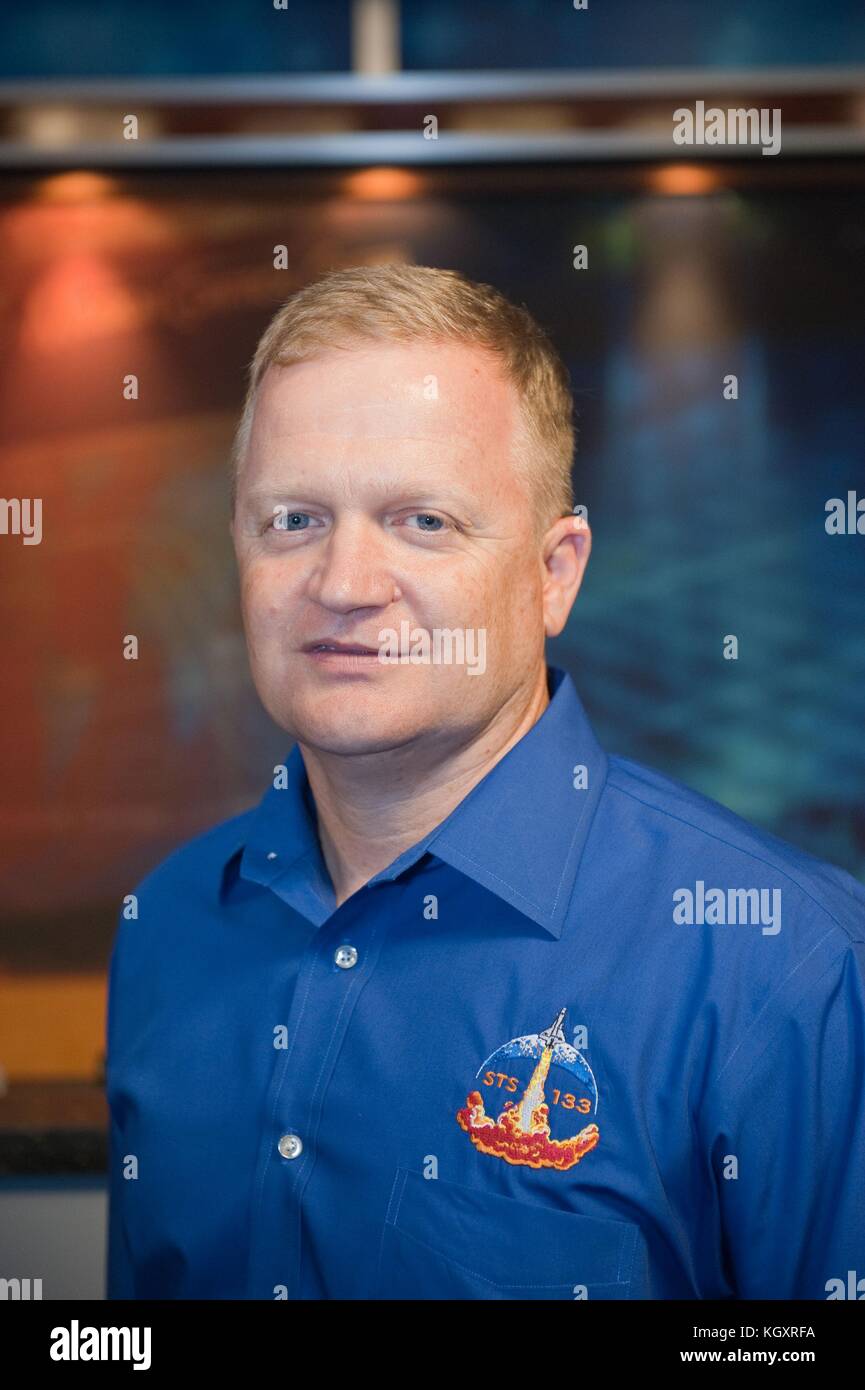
(442, 1240)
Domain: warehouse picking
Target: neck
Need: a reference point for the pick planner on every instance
(372, 807)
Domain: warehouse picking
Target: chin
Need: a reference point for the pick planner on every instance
(349, 722)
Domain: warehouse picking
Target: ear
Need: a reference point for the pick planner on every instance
(566, 550)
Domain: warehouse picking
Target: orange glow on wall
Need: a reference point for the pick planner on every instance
(683, 180)
(383, 184)
(75, 186)
(78, 299)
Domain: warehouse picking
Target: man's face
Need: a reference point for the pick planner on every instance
(378, 491)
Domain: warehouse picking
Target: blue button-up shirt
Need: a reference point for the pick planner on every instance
(592, 1037)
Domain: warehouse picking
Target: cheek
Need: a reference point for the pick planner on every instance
(474, 593)
(530, 597)
(264, 595)
(513, 600)
(487, 597)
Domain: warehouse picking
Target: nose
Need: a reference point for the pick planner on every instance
(350, 569)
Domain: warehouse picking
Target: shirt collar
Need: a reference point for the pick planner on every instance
(520, 832)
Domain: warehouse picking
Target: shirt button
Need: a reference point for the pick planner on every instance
(345, 957)
(290, 1145)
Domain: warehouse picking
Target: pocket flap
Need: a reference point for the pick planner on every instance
(508, 1241)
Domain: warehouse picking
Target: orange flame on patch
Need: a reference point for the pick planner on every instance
(521, 1134)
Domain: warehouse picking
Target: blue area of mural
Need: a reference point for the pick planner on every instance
(161, 38)
(630, 33)
(709, 514)
(77, 38)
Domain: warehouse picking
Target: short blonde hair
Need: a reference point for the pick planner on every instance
(408, 303)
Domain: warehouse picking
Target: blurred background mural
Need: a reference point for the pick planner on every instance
(302, 127)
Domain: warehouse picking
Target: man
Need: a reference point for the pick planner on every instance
(465, 1008)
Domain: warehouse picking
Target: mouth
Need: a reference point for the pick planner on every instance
(345, 658)
(341, 648)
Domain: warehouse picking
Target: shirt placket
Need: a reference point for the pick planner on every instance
(336, 965)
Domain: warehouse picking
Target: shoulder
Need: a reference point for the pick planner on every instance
(183, 888)
(199, 862)
(165, 918)
(702, 836)
(768, 939)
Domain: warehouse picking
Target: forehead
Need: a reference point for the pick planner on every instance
(414, 391)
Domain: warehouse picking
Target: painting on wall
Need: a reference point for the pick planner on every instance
(129, 310)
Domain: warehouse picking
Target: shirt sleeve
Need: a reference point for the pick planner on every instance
(120, 1281)
(793, 1216)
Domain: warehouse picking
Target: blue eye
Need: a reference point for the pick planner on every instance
(290, 521)
(438, 523)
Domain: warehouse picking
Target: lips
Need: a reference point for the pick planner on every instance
(344, 648)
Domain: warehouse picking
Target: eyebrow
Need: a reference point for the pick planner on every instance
(264, 495)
